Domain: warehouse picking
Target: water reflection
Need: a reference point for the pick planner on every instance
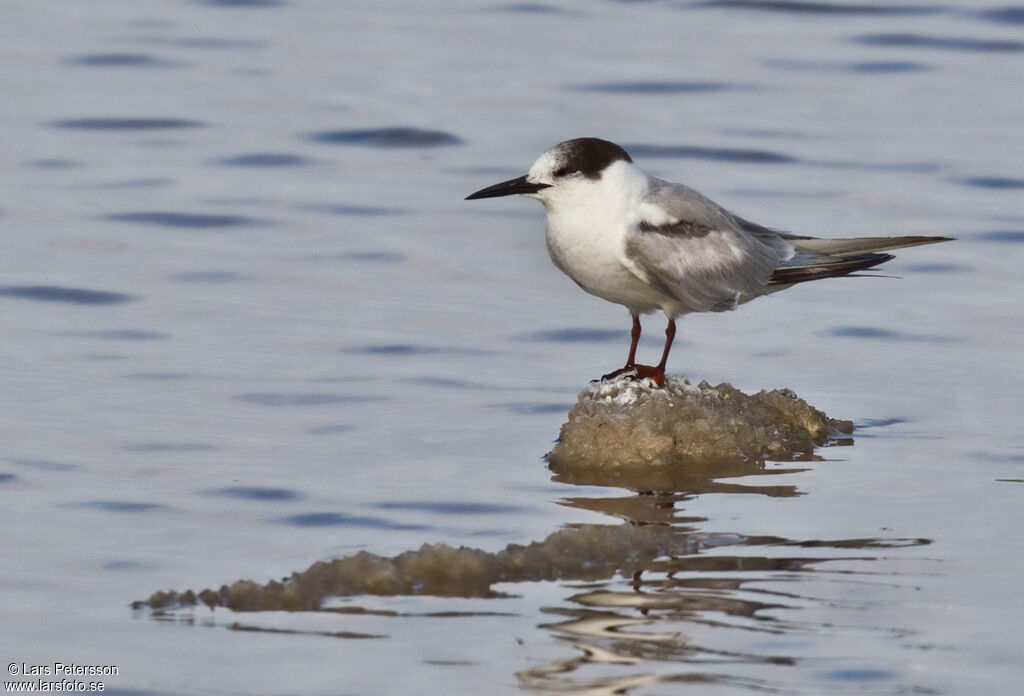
(723, 611)
(715, 154)
(943, 43)
(681, 483)
(653, 87)
(121, 60)
(182, 220)
(53, 293)
(806, 7)
(706, 619)
(265, 159)
(661, 597)
(397, 137)
(126, 123)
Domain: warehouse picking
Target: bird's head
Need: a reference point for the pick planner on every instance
(567, 170)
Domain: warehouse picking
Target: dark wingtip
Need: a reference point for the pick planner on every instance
(829, 269)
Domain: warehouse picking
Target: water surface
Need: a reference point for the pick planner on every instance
(250, 324)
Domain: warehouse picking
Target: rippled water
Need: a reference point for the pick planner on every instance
(250, 324)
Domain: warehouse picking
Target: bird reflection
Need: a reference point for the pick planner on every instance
(659, 490)
(696, 616)
(657, 597)
(677, 620)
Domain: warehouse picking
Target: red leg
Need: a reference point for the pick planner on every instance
(631, 360)
(670, 335)
(657, 373)
(635, 334)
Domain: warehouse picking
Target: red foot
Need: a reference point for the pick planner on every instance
(656, 373)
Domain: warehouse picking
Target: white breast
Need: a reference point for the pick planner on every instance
(586, 236)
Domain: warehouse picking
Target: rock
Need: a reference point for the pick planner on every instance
(632, 433)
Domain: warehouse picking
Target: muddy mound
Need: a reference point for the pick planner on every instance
(627, 429)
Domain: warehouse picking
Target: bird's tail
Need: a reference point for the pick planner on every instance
(859, 245)
(830, 258)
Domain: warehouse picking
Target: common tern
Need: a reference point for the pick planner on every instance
(649, 244)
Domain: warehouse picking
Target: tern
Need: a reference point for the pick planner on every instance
(648, 244)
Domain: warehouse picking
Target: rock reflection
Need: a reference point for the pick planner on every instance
(680, 624)
(711, 616)
(658, 599)
(589, 552)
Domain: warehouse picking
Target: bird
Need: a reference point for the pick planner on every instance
(649, 245)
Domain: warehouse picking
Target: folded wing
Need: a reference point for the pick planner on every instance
(697, 252)
(711, 260)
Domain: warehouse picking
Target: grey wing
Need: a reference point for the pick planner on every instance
(701, 254)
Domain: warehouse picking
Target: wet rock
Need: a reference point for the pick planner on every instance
(625, 432)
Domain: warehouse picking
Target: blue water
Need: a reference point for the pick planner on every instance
(250, 323)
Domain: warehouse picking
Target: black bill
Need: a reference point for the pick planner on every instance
(508, 188)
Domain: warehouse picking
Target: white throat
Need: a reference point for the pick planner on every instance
(588, 222)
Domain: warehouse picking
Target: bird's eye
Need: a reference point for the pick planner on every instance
(564, 171)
